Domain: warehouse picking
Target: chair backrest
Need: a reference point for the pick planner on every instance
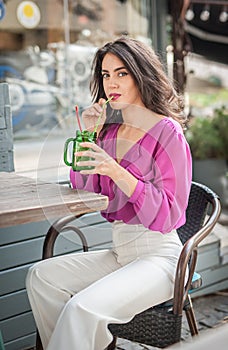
(199, 202)
(202, 201)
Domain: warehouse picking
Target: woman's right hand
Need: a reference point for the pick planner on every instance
(91, 114)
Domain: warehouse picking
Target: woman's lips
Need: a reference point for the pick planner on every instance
(114, 96)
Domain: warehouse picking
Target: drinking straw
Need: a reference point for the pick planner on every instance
(101, 114)
(78, 118)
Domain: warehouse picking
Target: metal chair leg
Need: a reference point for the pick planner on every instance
(190, 315)
(39, 345)
(112, 345)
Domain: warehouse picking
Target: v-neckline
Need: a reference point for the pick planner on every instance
(135, 143)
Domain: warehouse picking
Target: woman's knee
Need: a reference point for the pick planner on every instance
(30, 276)
(33, 276)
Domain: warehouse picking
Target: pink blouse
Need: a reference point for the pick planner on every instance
(161, 161)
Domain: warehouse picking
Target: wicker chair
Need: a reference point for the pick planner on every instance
(160, 326)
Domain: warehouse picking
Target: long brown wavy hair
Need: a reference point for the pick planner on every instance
(157, 91)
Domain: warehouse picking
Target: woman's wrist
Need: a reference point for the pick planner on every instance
(123, 179)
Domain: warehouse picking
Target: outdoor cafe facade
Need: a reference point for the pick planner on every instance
(46, 48)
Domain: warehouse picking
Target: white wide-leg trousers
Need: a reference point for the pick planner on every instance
(74, 297)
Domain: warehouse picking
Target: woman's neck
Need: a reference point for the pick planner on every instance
(140, 117)
(134, 115)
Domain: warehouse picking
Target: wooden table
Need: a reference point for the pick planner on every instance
(23, 200)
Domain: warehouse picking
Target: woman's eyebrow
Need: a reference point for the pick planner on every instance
(115, 70)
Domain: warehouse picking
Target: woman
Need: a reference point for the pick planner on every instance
(142, 163)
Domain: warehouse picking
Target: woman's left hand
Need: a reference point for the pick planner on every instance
(102, 162)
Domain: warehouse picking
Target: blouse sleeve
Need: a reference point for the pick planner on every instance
(85, 182)
(160, 200)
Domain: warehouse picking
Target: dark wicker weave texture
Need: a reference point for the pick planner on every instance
(156, 326)
(196, 211)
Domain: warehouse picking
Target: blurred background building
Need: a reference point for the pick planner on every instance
(46, 47)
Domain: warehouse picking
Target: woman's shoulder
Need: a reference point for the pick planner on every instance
(166, 132)
(166, 126)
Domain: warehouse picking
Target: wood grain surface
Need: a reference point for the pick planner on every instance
(24, 200)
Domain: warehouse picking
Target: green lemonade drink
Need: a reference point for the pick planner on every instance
(81, 136)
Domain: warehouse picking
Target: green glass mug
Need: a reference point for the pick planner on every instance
(81, 136)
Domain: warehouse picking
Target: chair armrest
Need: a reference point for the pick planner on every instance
(57, 227)
(189, 254)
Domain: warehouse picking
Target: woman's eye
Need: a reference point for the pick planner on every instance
(120, 74)
(105, 75)
(123, 74)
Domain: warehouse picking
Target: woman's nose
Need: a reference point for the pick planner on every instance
(113, 82)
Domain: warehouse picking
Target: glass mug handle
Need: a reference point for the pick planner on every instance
(66, 151)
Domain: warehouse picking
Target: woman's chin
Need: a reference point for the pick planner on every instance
(118, 105)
